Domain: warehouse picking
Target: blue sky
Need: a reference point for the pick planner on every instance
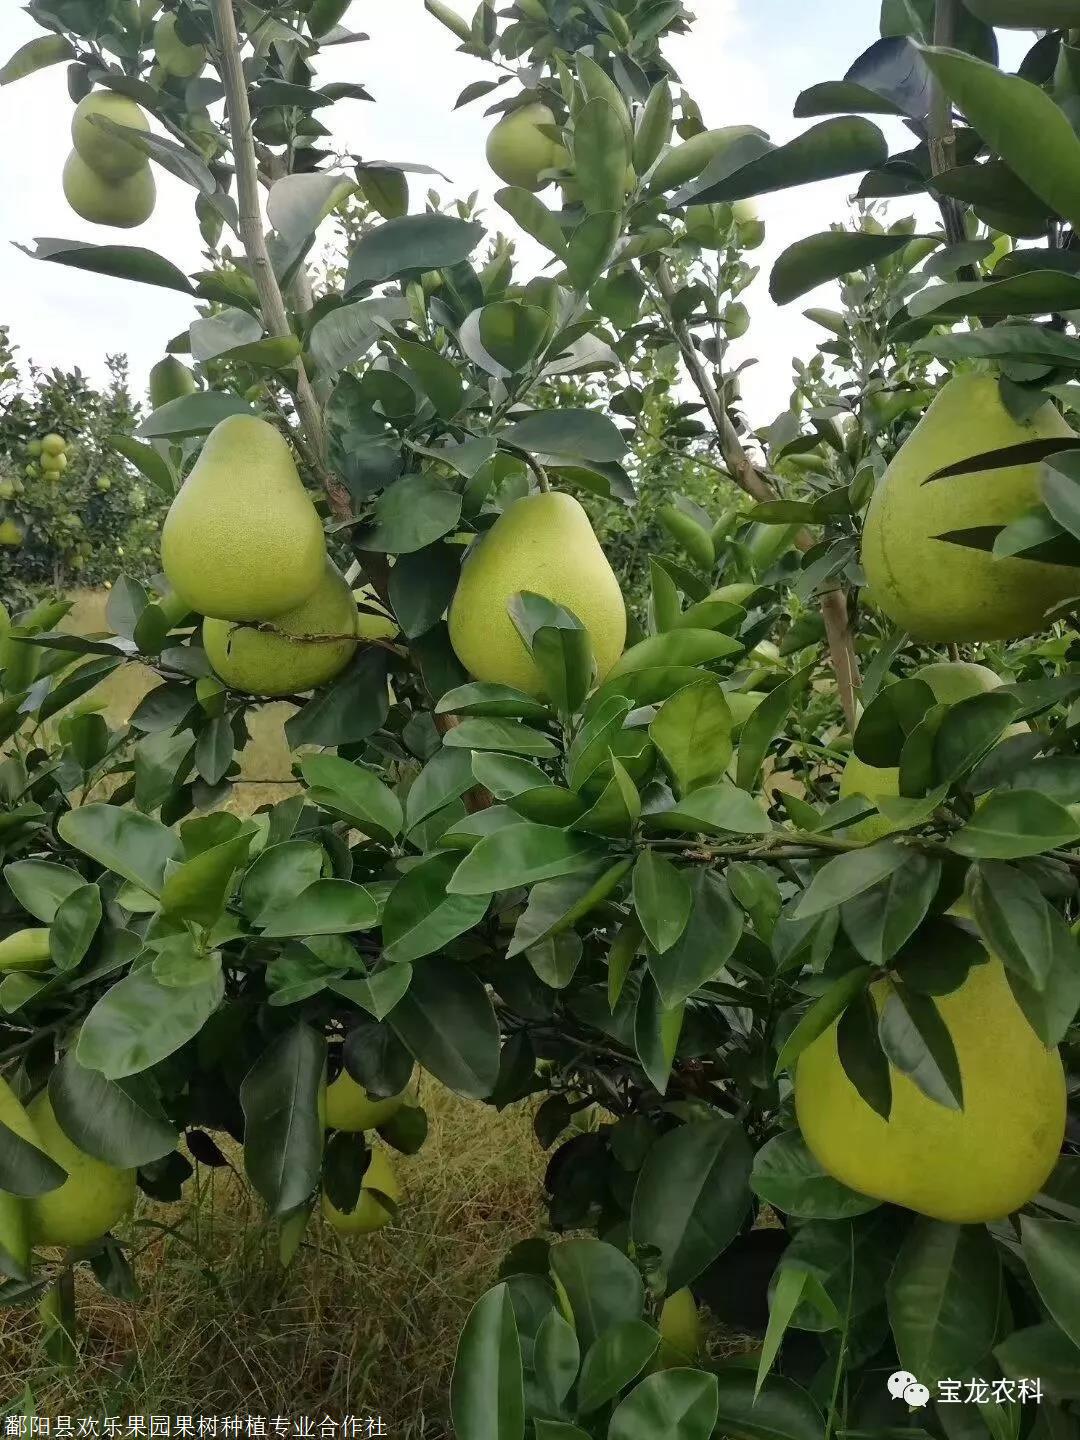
(745, 63)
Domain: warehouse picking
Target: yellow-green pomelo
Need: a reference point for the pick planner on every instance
(545, 544)
(15, 1217)
(90, 1201)
(12, 536)
(519, 151)
(369, 1214)
(964, 1166)
(680, 1332)
(350, 1108)
(937, 590)
(25, 949)
(53, 444)
(174, 57)
(300, 650)
(120, 203)
(111, 156)
(951, 681)
(242, 540)
(692, 158)
(170, 380)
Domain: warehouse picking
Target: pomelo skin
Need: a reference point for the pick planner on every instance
(544, 544)
(518, 151)
(122, 204)
(369, 1215)
(963, 1166)
(295, 652)
(90, 1201)
(937, 589)
(112, 157)
(350, 1108)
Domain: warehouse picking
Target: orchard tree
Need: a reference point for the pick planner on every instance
(756, 964)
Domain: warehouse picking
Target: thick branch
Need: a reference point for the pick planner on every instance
(941, 138)
(834, 610)
(272, 303)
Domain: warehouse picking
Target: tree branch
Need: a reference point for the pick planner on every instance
(271, 301)
(941, 139)
(834, 609)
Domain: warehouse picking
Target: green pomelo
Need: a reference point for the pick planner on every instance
(122, 204)
(90, 1201)
(962, 1166)
(544, 544)
(937, 589)
(369, 1214)
(110, 156)
(170, 380)
(242, 540)
(519, 152)
(300, 650)
(349, 1107)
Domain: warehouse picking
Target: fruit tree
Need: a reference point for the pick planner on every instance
(766, 896)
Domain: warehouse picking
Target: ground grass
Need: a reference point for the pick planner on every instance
(364, 1326)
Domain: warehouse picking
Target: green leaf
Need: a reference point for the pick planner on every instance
(601, 156)
(1011, 824)
(591, 248)
(74, 926)
(482, 698)
(117, 1124)
(683, 647)
(487, 1395)
(192, 415)
(534, 217)
(920, 1045)
(508, 736)
(821, 1014)
(132, 845)
(706, 944)
(763, 726)
(692, 1195)
(1014, 919)
(1044, 1351)
(280, 872)
(36, 54)
(341, 337)
(657, 1028)
(692, 732)
(601, 1285)
(714, 810)
(139, 1022)
(348, 709)
(556, 1357)
(297, 204)
(411, 514)
(782, 1410)
(439, 378)
(783, 1303)
(1051, 1250)
(123, 262)
(1019, 122)
(786, 1175)
(811, 262)
(410, 245)
(513, 333)
(614, 1359)
(556, 905)
(848, 875)
(835, 147)
(197, 889)
(25, 1170)
(943, 1298)
(520, 855)
(446, 1021)
(669, 1405)
(662, 899)
(353, 792)
(584, 434)
(446, 776)
(283, 1140)
(420, 917)
(654, 127)
(40, 886)
(328, 907)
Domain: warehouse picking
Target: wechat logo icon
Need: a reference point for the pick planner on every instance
(904, 1386)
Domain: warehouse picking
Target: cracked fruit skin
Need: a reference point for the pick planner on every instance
(518, 150)
(938, 590)
(26, 949)
(543, 543)
(268, 662)
(90, 1201)
(963, 1166)
(122, 204)
(242, 540)
(349, 1107)
(109, 155)
(369, 1215)
(15, 1217)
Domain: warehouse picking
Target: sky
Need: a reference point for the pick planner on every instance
(745, 62)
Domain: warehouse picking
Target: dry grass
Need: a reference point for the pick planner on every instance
(353, 1327)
